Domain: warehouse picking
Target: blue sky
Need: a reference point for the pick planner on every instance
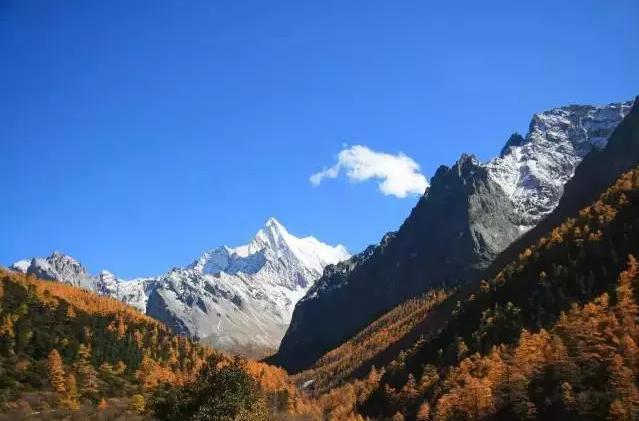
(135, 135)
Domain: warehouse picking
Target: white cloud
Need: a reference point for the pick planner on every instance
(399, 174)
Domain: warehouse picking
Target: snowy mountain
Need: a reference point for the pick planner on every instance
(533, 170)
(57, 266)
(237, 299)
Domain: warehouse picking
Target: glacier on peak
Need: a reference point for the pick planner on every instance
(238, 299)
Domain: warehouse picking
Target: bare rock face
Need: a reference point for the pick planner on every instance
(532, 171)
(57, 266)
(595, 173)
(470, 213)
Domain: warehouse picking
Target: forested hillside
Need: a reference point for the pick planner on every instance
(355, 357)
(552, 335)
(67, 352)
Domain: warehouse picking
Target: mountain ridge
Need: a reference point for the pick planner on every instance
(470, 213)
(236, 299)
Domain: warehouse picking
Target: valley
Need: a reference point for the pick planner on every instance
(520, 316)
(319, 211)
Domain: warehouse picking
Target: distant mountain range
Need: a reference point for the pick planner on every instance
(471, 212)
(237, 299)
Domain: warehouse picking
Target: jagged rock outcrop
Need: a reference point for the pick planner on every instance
(597, 171)
(533, 172)
(58, 266)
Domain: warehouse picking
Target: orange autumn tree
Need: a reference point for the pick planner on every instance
(588, 353)
(56, 372)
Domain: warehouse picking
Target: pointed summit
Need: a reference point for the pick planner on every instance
(276, 240)
(515, 139)
(274, 228)
(273, 223)
(272, 235)
(59, 258)
(57, 267)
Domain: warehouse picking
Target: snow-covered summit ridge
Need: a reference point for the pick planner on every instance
(310, 251)
(273, 238)
(57, 266)
(271, 242)
(533, 170)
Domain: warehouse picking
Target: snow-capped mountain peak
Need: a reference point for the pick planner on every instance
(312, 253)
(21, 265)
(55, 267)
(272, 235)
(533, 170)
(243, 297)
(107, 283)
(271, 242)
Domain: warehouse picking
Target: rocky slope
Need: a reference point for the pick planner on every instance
(471, 212)
(237, 299)
(596, 171)
(532, 171)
